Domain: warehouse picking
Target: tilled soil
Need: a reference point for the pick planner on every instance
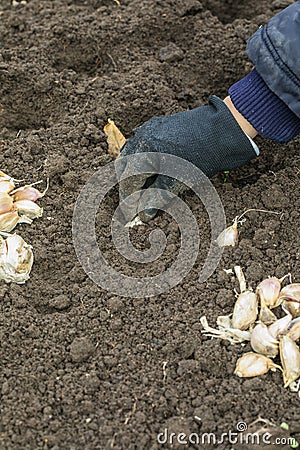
(82, 368)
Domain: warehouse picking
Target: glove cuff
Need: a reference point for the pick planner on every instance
(266, 112)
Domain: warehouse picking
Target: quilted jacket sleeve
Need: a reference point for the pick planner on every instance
(275, 51)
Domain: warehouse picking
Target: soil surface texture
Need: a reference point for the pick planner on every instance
(82, 368)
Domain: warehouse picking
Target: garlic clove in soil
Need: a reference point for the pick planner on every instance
(268, 291)
(265, 314)
(6, 183)
(28, 208)
(290, 292)
(292, 308)
(27, 193)
(290, 360)
(6, 186)
(252, 364)
(280, 326)
(6, 202)
(16, 259)
(294, 329)
(229, 236)
(245, 310)
(263, 342)
(8, 221)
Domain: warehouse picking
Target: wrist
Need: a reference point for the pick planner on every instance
(241, 120)
(263, 109)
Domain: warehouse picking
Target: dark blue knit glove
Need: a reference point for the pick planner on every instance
(209, 137)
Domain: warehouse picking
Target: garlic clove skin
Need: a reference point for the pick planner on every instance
(245, 310)
(224, 322)
(252, 364)
(290, 292)
(294, 329)
(8, 221)
(292, 308)
(6, 203)
(290, 360)
(16, 259)
(268, 291)
(229, 236)
(263, 342)
(266, 315)
(27, 193)
(280, 326)
(28, 208)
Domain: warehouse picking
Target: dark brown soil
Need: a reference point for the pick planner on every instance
(80, 367)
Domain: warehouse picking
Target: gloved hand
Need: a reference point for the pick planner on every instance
(209, 137)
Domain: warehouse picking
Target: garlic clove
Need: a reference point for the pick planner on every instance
(16, 259)
(280, 326)
(265, 314)
(292, 308)
(8, 221)
(263, 342)
(252, 364)
(6, 186)
(268, 291)
(245, 310)
(229, 236)
(294, 329)
(6, 202)
(290, 360)
(6, 183)
(290, 292)
(27, 193)
(28, 208)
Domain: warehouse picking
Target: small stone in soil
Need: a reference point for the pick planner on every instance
(60, 302)
(170, 53)
(81, 349)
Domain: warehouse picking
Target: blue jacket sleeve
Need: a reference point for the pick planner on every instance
(275, 51)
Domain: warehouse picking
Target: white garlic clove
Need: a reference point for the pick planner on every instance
(245, 310)
(16, 259)
(263, 342)
(290, 292)
(8, 221)
(6, 186)
(268, 291)
(27, 193)
(252, 364)
(28, 208)
(6, 203)
(292, 308)
(229, 236)
(294, 329)
(6, 183)
(280, 326)
(290, 360)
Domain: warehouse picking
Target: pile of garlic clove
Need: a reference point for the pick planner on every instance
(17, 205)
(253, 320)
